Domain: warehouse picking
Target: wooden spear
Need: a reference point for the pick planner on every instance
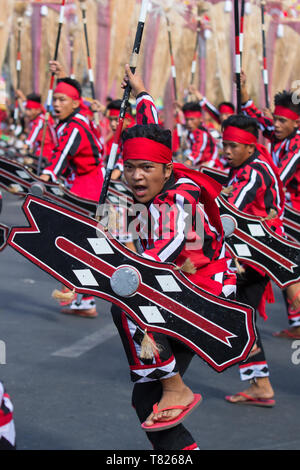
(265, 68)
(237, 55)
(51, 88)
(133, 64)
(89, 61)
(20, 8)
(200, 11)
(242, 30)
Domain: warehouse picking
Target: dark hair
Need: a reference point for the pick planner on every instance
(116, 104)
(149, 131)
(227, 103)
(71, 81)
(242, 122)
(284, 98)
(34, 97)
(192, 106)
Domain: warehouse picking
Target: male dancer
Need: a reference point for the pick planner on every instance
(255, 188)
(284, 135)
(203, 148)
(77, 158)
(219, 114)
(160, 397)
(36, 140)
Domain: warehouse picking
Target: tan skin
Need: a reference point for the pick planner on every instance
(146, 180)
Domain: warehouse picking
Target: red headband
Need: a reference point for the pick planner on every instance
(116, 113)
(33, 104)
(113, 113)
(193, 114)
(234, 134)
(285, 112)
(68, 90)
(141, 148)
(225, 109)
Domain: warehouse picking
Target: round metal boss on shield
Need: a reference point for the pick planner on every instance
(125, 281)
(229, 225)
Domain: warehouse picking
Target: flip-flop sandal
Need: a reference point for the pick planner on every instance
(269, 402)
(186, 410)
(286, 334)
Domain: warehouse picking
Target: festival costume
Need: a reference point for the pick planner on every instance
(256, 190)
(108, 144)
(77, 157)
(203, 148)
(7, 426)
(213, 111)
(286, 156)
(212, 273)
(35, 137)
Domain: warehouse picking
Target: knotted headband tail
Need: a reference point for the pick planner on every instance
(210, 190)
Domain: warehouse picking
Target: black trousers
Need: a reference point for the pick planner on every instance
(250, 289)
(146, 394)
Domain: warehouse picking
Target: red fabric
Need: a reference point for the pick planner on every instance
(78, 149)
(141, 148)
(225, 109)
(89, 185)
(35, 136)
(268, 297)
(285, 112)
(234, 134)
(266, 155)
(33, 105)
(210, 190)
(68, 90)
(193, 114)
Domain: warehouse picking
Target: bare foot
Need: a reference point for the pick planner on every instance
(293, 294)
(261, 388)
(292, 332)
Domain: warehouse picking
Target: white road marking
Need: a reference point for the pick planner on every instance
(88, 342)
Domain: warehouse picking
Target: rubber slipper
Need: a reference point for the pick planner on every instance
(286, 334)
(186, 410)
(269, 402)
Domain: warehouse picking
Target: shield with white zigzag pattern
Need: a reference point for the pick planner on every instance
(19, 180)
(78, 252)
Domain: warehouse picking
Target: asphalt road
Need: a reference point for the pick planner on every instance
(69, 382)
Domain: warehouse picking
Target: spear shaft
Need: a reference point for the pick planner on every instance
(133, 64)
(51, 88)
(194, 63)
(18, 69)
(89, 61)
(242, 30)
(237, 55)
(265, 69)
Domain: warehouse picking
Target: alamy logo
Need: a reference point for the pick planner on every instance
(2, 352)
(296, 93)
(296, 353)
